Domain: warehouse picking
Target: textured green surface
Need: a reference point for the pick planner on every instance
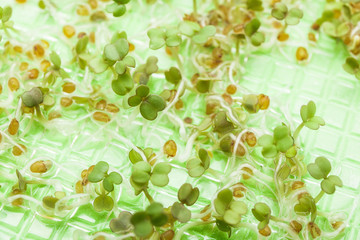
(85, 142)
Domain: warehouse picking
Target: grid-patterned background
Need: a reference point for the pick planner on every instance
(274, 73)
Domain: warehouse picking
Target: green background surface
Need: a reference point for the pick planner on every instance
(84, 142)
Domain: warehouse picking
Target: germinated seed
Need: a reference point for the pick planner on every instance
(93, 4)
(170, 148)
(297, 185)
(33, 73)
(18, 49)
(68, 87)
(13, 84)
(296, 226)
(248, 170)
(231, 89)
(16, 151)
(69, 31)
(179, 104)
(23, 66)
(82, 10)
(263, 101)
(266, 231)
(66, 102)
(38, 51)
(101, 105)
(283, 36)
(112, 108)
(13, 127)
(53, 115)
(40, 166)
(101, 117)
(302, 54)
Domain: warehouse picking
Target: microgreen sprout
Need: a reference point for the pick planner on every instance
(197, 166)
(160, 37)
(187, 195)
(251, 30)
(197, 33)
(117, 8)
(150, 105)
(281, 12)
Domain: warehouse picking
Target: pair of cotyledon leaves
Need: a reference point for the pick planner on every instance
(171, 36)
(150, 104)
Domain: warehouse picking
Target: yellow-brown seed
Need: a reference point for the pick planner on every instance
(302, 54)
(0, 89)
(13, 84)
(314, 229)
(40, 166)
(312, 37)
(336, 225)
(0, 137)
(16, 151)
(297, 185)
(69, 31)
(168, 235)
(277, 24)
(179, 104)
(265, 231)
(38, 51)
(231, 89)
(131, 47)
(26, 109)
(53, 115)
(188, 120)
(249, 138)
(92, 37)
(238, 190)
(98, 16)
(18, 201)
(45, 43)
(23, 66)
(93, 4)
(30, 55)
(18, 49)
(208, 216)
(33, 73)
(296, 226)
(13, 126)
(66, 102)
(21, 1)
(227, 98)
(101, 117)
(263, 101)
(170, 148)
(82, 10)
(68, 87)
(101, 105)
(79, 187)
(249, 171)
(112, 108)
(44, 65)
(283, 36)
(81, 35)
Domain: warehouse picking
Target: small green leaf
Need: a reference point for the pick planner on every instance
(351, 65)
(98, 65)
(157, 38)
(6, 14)
(204, 33)
(252, 27)
(320, 169)
(157, 215)
(180, 212)
(122, 47)
(82, 44)
(33, 97)
(173, 75)
(110, 52)
(257, 39)
(188, 28)
(261, 211)
(187, 194)
(121, 223)
(135, 156)
(123, 84)
(142, 91)
(223, 200)
(151, 106)
(133, 101)
(173, 38)
(109, 181)
(328, 184)
(102, 203)
(279, 11)
(223, 226)
(55, 59)
(142, 224)
(21, 180)
(294, 15)
(159, 176)
(255, 5)
(221, 124)
(141, 173)
(50, 201)
(99, 172)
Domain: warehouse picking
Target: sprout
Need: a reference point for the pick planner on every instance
(281, 12)
(150, 105)
(160, 37)
(281, 141)
(197, 166)
(186, 195)
(32, 97)
(100, 173)
(198, 35)
(251, 30)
